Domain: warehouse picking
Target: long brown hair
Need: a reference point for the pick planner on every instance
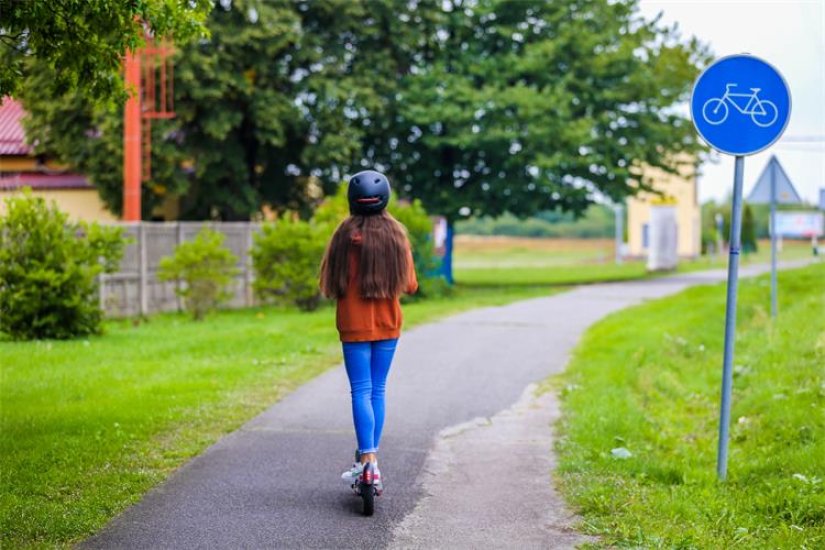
(384, 264)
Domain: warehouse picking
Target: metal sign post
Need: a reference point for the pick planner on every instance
(774, 187)
(740, 105)
(730, 316)
(773, 242)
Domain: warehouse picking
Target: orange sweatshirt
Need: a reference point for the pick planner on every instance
(364, 320)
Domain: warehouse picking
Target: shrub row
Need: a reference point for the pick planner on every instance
(287, 253)
(48, 270)
(49, 265)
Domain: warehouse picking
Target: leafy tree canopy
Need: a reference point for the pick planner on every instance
(83, 41)
(475, 107)
(528, 105)
(263, 104)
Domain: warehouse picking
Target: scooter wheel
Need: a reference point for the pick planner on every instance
(367, 491)
(369, 501)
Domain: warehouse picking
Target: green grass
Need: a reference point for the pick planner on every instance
(561, 275)
(502, 262)
(89, 426)
(648, 379)
(564, 262)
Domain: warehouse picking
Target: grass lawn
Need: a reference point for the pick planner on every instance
(507, 261)
(647, 380)
(89, 426)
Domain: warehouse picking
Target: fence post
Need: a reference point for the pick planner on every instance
(178, 282)
(100, 292)
(143, 298)
(248, 274)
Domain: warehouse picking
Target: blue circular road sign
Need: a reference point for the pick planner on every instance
(740, 105)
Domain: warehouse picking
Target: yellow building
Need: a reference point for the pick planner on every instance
(20, 168)
(679, 191)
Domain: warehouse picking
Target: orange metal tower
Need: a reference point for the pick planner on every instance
(149, 76)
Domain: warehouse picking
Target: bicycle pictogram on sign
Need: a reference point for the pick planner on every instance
(763, 112)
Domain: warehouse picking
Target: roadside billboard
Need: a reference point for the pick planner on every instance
(799, 224)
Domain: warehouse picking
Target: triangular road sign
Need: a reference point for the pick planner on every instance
(785, 192)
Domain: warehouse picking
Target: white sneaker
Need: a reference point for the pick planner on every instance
(350, 477)
(377, 478)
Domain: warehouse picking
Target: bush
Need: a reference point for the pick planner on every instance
(286, 256)
(205, 267)
(49, 268)
(332, 211)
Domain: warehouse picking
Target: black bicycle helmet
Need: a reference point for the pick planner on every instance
(368, 193)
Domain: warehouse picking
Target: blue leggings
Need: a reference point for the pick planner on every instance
(368, 364)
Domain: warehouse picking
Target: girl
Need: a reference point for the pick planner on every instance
(366, 267)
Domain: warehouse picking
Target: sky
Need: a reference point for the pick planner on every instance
(790, 35)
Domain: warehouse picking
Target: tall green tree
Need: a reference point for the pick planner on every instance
(87, 135)
(265, 108)
(475, 107)
(749, 244)
(83, 41)
(528, 105)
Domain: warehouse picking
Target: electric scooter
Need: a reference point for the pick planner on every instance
(366, 488)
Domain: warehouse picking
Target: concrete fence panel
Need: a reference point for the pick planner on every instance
(135, 288)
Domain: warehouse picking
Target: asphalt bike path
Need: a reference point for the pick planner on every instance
(466, 454)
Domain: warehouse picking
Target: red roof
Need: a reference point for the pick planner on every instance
(13, 142)
(10, 182)
(12, 137)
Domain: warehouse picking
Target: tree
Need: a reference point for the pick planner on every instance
(748, 231)
(529, 105)
(263, 106)
(84, 41)
(264, 109)
(87, 135)
(712, 236)
(475, 107)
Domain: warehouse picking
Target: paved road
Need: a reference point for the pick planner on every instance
(457, 387)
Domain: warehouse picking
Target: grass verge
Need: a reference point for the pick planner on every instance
(640, 418)
(89, 426)
(499, 262)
